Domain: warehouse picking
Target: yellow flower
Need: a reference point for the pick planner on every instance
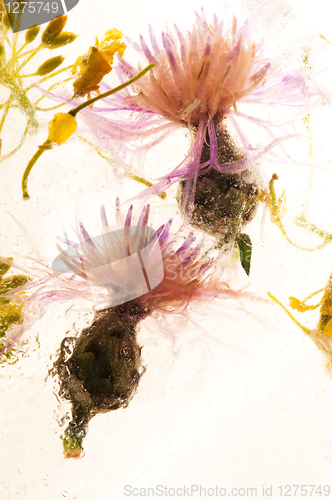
(61, 128)
(97, 63)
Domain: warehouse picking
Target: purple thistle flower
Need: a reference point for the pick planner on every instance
(84, 271)
(204, 81)
(200, 80)
(99, 370)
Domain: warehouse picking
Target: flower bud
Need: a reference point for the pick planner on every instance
(61, 128)
(5, 20)
(31, 34)
(63, 39)
(49, 65)
(53, 29)
(93, 69)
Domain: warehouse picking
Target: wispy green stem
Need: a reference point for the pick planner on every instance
(51, 108)
(33, 53)
(306, 330)
(17, 55)
(74, 111)
(5, 113)
(276, 219)
(50, 88)
(134, 177)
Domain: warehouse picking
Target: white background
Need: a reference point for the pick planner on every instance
(241, 400)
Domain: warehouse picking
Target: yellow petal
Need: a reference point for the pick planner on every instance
(111, 49)
(61, 128)
(301, 306)
(90, 75)
(113, 34)
(92, 67)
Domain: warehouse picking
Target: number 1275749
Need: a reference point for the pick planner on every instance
(303, 490)
(32, 7)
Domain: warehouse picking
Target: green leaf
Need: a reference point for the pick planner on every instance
(245, 246)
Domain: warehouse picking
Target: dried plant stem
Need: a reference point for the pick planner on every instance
(74, 111)
(29, 167)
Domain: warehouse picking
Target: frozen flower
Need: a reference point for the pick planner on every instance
(100, 370)
(200, 81)
(92, 67)
(201, 74)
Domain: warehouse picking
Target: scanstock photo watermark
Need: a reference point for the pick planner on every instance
(23, 15)
(126, 262)
(313, 491)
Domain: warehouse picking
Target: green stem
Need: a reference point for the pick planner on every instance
(29, 75)
(302, 222)
(34, 52)
(49, 89)
(13, 151)
(51, 75)
(134, 177)
(277, 221)
(17, 55)
(74, 111)
(51, 108)
(143, 181)
(29, 167)
(13, 58)
(20, 95)
(306, 330)
(15, 39)
(7, 39)
(5, 113)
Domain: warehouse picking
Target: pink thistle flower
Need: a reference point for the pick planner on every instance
(201, 74)
(199, 81)
(99, 371)
(185, 276)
